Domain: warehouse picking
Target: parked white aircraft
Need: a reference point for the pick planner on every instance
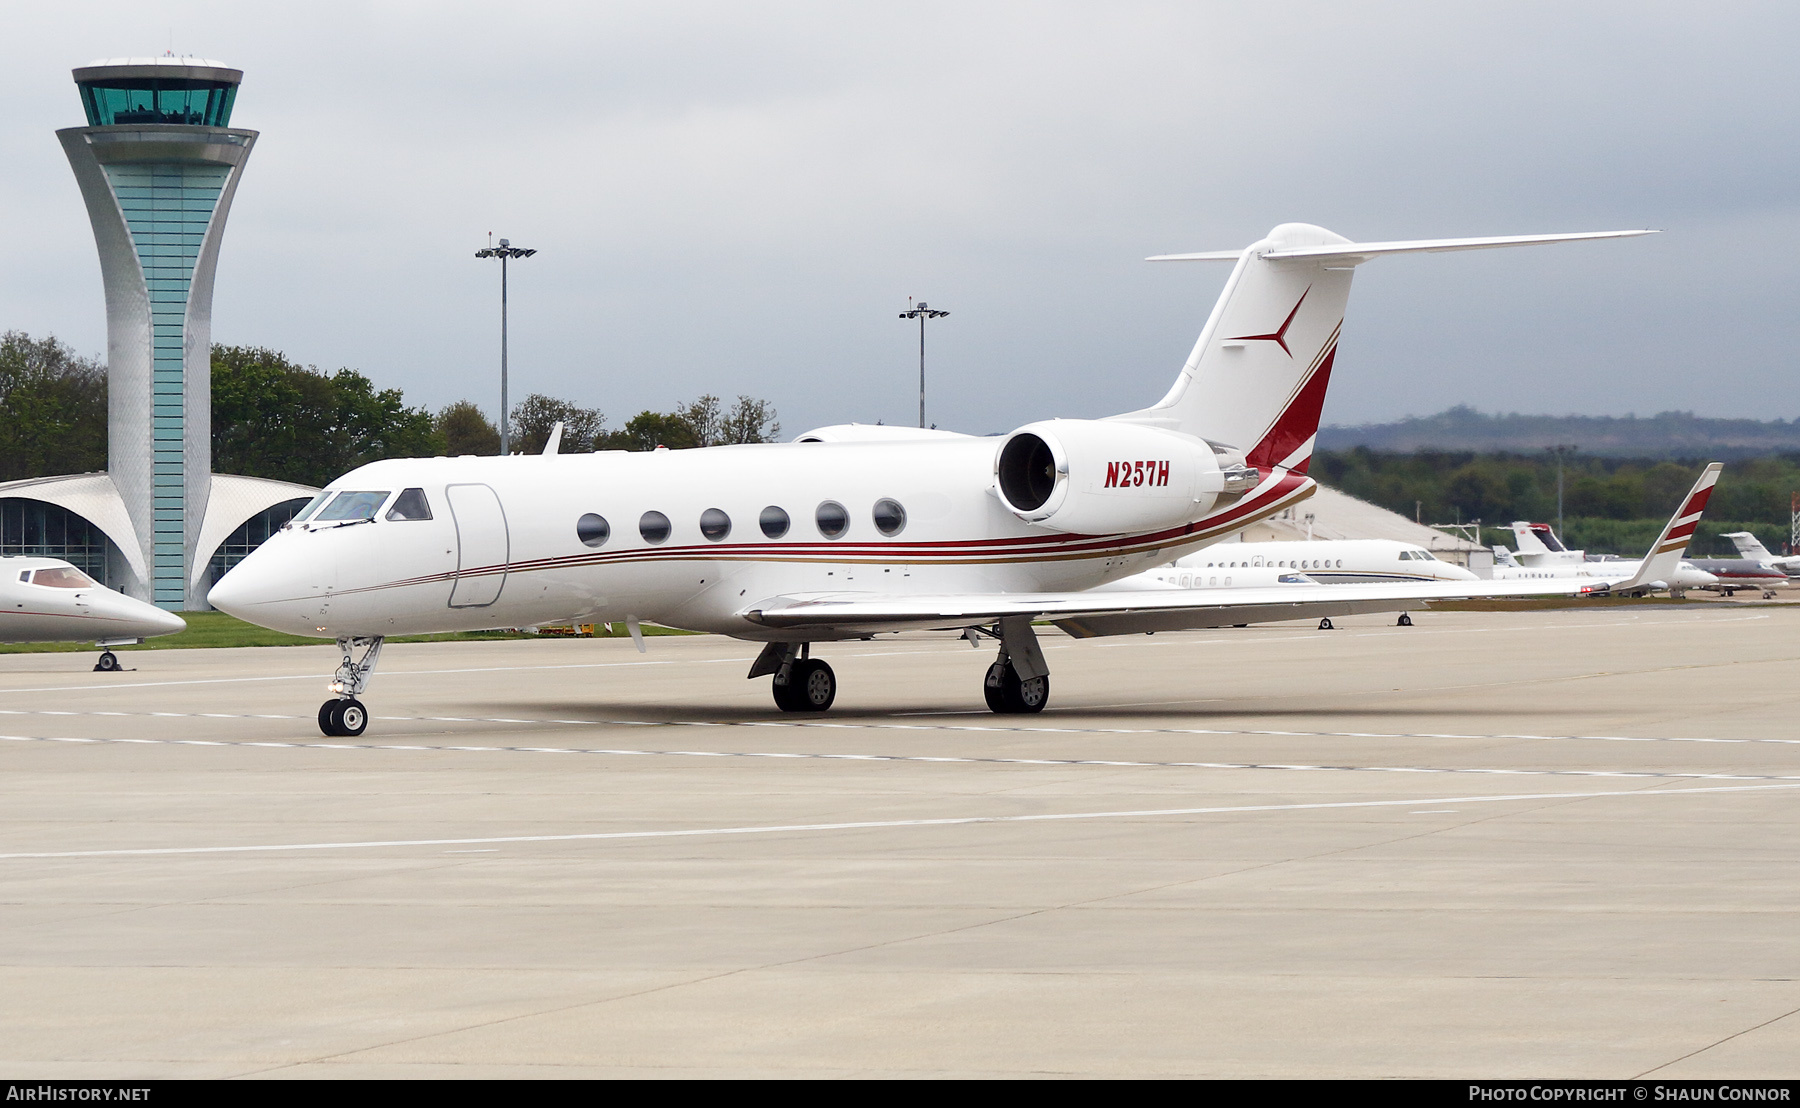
(47, 600)
(1751, 547)
(1542, 557)
(854, 534)
(1327, 561)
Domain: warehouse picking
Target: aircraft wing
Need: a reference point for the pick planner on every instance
(1092, 614)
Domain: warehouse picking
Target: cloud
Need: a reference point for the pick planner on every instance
(736, 198)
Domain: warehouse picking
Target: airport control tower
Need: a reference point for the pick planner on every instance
(158, 164)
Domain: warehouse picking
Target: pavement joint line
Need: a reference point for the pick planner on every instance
(1671, 618)
(1646, 775)
(975, 727)
(869, 825)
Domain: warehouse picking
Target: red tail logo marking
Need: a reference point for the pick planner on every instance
(1279, 335)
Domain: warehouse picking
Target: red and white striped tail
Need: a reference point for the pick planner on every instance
(1257, 377)
(1671, 546)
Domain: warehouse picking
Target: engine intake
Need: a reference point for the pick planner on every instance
(1097, 477)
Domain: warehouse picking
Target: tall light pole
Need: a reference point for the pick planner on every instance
(922, 312)
(506, 251)
(1561, 451)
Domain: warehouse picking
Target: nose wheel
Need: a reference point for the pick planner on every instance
(343, 719)
(346, 717)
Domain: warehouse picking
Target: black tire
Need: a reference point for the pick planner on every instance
(351, 717)
(326, 724)
(1405, 620)
(108, 663)
(993, 686)
(812, 685)
(1015, 697)
(785, 697)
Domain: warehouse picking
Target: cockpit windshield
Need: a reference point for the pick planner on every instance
(352, 506)
(312, 506)
(62, 577)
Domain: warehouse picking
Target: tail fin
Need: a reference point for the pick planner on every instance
(1750, 546)
(1256, 379)
(1671, 546)
(1529, 540)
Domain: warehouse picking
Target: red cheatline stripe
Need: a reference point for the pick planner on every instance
(1265, 501)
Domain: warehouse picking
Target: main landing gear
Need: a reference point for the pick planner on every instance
(108, 662)
(802, 683)
(1018, 682)
(346, 717)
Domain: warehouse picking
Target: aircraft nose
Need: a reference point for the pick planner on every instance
(238, 592)
(137, 617)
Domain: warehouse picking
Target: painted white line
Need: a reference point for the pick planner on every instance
(874, 825)
(950, 644)
(386, 674)
(839, 756)
(858, 725)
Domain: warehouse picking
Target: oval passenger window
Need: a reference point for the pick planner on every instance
(654, 526)
(714, 524)
(774, 522)
(593, 530)
(890, 517)
(832, 519)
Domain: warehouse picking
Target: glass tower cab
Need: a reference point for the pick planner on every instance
(190, 93)
(158, 164)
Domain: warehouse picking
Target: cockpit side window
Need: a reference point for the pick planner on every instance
(62, 577)
(306, 513)
(352, 506)
(410, 504)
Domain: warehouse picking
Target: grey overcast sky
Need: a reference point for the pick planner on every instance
(739, 198)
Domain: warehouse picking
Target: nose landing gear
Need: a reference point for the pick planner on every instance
(346, 717)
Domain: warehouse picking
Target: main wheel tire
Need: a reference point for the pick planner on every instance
(108, 662)
(1405, 620)
(813, 685)
(786, 695)
(352, 718)
(1026, 697)
(1008, 695)
(327, 721)
(993, 686)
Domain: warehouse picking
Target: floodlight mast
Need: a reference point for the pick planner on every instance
(922, 312)
(506, 251)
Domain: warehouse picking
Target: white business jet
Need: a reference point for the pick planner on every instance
(1751, 547)
(855, 534)
(1543, 557)
(48, 600)
(1328, 561)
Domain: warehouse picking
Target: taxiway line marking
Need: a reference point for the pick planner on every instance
(871, 825)
(879, 726)
(1647, 618)
(1115, 763)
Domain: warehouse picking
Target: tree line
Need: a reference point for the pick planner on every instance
(1610, 505)
(273, 417)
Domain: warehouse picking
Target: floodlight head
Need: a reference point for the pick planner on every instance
(505, 242)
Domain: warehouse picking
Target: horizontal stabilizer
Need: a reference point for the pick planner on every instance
(1355, 253)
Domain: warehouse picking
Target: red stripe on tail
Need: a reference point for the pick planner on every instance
(1296, 424)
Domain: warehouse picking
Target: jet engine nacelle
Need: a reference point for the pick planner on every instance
(1091, 477)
